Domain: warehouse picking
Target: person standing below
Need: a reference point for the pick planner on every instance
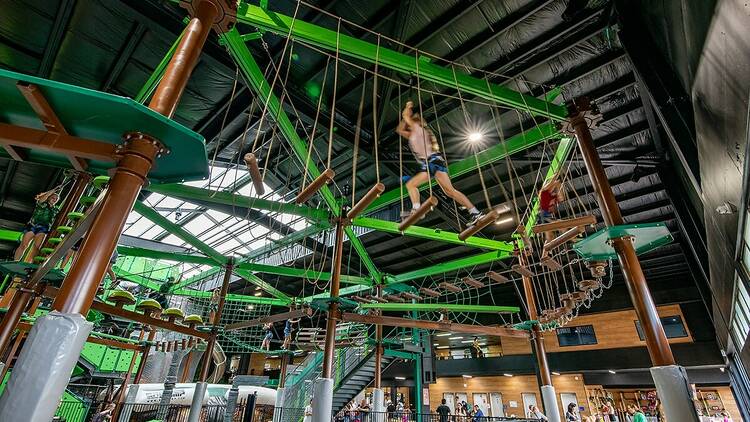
(443, 410)
(105, 415)
(478, 414)
(572, 414)
(535, 413)
(308, 412)
(425, 148)
(611, 411)
(636, 413)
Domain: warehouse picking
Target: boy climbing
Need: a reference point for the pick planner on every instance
(40, 224)
(424, 146)
(549, 197)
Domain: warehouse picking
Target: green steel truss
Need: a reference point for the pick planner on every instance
(308, 33)
(450, 266)
(487, 309)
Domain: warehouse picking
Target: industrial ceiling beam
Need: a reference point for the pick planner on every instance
(302, 273)
(254, 76)
(449, 266)
(448, 327)
(55, 38)
(324, 38)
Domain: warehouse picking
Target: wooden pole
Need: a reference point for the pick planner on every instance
(206, 361)
(656, 340)
(330, 339)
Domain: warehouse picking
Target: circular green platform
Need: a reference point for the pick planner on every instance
(87, 200)
(103, 117)
(646, 237)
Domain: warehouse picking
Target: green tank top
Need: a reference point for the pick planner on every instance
(44, 214)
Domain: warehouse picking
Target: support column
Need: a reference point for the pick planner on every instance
(549, 398)
(378, 400)
(196, 404)
(31, 394)
(323, 389)
(670, 379)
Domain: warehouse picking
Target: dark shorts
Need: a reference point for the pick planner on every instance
(37, 228)
(434, 164)
(268, 336)
(544, 217)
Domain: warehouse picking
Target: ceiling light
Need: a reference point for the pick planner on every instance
(508, 375)
(455, 338)
(464, 385)
(475, 137)
(504, 220)
(611, 371)
(555, 373)
(442, 335)
(442, 347)
(468, 341)
(722, 369)
(436, 344)
(400, 378)
(257, 287)
(466, 376)
(250, 307)
(258, 294)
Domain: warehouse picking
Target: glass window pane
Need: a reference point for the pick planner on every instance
(576, 336)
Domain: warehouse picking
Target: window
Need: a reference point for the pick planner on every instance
(576, 336)
(673, 327)
(741, 314)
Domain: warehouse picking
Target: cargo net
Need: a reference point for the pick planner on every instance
(203, 301)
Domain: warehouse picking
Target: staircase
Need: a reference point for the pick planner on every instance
(356, 380)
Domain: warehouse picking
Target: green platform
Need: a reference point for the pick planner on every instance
(25, 268)
(321, 304)
(104, 117)
(646, 237)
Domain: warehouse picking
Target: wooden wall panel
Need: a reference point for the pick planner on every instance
(511, 389)
(612, 329)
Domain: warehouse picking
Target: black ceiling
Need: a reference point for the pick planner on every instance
(535, 45)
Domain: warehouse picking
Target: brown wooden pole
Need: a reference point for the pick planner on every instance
(330, 340)
(206, 361)
(283, 369)
(536, 338)
(144, 356)
(378, 345)
(645, 309)
(183, 61)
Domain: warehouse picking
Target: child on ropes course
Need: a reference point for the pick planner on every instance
(424, 146)
(40, 224)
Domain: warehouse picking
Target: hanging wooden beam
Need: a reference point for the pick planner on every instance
(255, 176)
(394, 298)
(450, 287)
(522, 270)
(41, 107)
(429, 292)
(551, 263)
(497, 277)
(314, 186)
(562, 239)
(450, 327)
(483, 222)
(366, 200)
(586, 220)
(270, 319)
(420, 212)
(411, 296)
(472, 282)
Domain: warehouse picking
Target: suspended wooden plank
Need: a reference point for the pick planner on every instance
(270, 319)
(366, 200)
(522, 270)
(326, 176)
(254, 170)
(394, 298)
(586, 220)
(586, 285)
(562, 239)
(429, 292)
(551, 263)
(472, 282)
(497, 277)
(598, 268)
(450, 287)
(379, 299)
(483, 222)
(411, 296)
(492, 330)
(419, 213)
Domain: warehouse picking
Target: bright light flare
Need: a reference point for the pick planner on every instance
(475, 137)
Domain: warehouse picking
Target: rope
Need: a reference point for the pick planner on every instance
(356, 141)
(315, 126)
(423, 122)
(333, 101)
(375, 111)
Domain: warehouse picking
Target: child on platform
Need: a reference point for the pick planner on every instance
(40, 225)
(424, 146)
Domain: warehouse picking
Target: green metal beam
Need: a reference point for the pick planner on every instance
(196, 278)
(169, 256)
(301, 273)
(10, 235)
(232, 296)
(254, 76)
(486, 309)
(450, 266)
(178, 231)
(343, 292)
(561, 155)
(431, 234)
(525, 140)
(308, 33)
(252, 278)
(295, 237)
(186, 193)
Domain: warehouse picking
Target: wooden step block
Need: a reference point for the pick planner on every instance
(497, 277)
(394, 298)
(521, 269)
(429, 292)
(551, 264)
(451, 287)
(472, 282)
(411, 296)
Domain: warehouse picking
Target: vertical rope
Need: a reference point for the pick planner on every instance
(333, 101)
(358, 129)
(315, 124)
(424, 125)
(375, 111)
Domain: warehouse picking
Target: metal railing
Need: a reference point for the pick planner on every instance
(357, 416)
(76, 411)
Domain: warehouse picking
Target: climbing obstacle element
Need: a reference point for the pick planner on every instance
(254, 170)
(562, 239)
(483, 222)
(366, 200)
(586, 220)
(305, 194)
(419, 213)
(645, 237)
